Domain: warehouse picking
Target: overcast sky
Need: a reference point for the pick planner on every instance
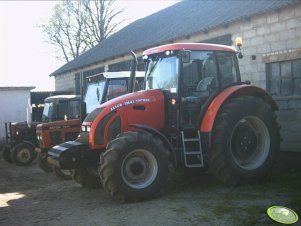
(25, 58)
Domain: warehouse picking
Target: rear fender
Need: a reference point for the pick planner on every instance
(208, 120)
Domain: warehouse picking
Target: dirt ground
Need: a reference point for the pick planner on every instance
(29, 196)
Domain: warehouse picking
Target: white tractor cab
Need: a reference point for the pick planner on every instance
(108, 85)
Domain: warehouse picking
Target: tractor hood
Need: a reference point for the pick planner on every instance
(104, 123)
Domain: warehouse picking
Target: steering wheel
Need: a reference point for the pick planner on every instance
(204, 83)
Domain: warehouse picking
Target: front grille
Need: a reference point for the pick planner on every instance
(55, 138)
(40, 142)
(99, 139)
(115, 128)
(90, 117)
(71, 136)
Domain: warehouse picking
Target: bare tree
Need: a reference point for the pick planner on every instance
(76, 26)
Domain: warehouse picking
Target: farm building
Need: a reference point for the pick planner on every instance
(271, 34)
(13, 112)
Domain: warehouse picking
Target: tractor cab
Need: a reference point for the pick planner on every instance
(61, 107)
(190, 74)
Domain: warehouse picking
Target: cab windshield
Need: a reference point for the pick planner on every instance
(47, 112)
(162, 73)
(61, 110)
(94, 95)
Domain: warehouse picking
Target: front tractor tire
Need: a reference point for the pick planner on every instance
(135, 167)
(61, 174)
(86, 177)
(23, 154)
(42, 161)
(245, 141)
(7, 155)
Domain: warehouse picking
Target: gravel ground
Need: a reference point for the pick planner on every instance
(29, 196)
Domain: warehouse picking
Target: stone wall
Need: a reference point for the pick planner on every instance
(265, 35)
(289, 117)
(65, 82)
(275, 37)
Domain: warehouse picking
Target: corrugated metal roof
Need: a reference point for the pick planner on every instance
(14, 88)
(182, 19)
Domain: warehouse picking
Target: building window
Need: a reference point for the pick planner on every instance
(284, 78)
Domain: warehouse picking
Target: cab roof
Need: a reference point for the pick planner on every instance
(122, 74)
(113, 75)
(189, 46)
(62, 97)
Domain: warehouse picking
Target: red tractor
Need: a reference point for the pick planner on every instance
(66, 126)
(20, 143)
(195, 112)
(21, 139)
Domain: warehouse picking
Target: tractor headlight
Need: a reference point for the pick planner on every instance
(86, 128)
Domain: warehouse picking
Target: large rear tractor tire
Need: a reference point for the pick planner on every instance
(86, 177)
(135, 167)
(7, 155)
(245, 141)
(43, 164)
(23, 154)
(62, 174)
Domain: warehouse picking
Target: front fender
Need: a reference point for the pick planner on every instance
(161, 136)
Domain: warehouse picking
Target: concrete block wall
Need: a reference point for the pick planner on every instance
(272, 37)
(268, 34)
(289, 117)
(65, 82)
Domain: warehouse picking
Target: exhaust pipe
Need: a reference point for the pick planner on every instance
(133, 73)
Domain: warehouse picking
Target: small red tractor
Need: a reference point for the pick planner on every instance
(195, 112)
(20, 143)
(21, 139)
(66, 127)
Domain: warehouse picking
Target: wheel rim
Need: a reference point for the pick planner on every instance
(24, 155)
(250, 143)
(139, 169)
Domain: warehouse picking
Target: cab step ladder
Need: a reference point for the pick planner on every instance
(192, 148)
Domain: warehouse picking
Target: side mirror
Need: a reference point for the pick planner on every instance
(186, 56)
